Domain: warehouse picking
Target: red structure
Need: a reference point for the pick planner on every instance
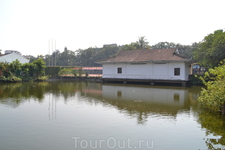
(91, 71)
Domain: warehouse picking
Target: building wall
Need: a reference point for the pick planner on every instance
(146, 71)
(188, 70)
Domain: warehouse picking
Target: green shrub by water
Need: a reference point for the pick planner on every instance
(212, 95)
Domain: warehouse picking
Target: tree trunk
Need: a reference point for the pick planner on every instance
(223, 109)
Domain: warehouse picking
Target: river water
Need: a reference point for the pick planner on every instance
(82, 115)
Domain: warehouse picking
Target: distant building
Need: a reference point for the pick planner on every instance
(197, 69)
(109, 45)
(12, 51)
(91, 71)
(11, 56)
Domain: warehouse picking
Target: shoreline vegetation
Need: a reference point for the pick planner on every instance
(209, 53)
(17, 72)
(212, 96)
(37, 71)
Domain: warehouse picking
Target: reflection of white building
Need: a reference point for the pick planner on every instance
(171, 96)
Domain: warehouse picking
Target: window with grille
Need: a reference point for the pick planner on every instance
(176, 71)
(119, 70)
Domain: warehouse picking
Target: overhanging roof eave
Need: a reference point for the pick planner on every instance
(150, 61)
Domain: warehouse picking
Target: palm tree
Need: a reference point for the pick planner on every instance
(143, 44)
(140, 44)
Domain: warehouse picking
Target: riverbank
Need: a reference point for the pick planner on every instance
(99, 79)
(73, 78)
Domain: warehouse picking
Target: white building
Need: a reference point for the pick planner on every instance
(10, 57)
(12, 51)
(152, 65)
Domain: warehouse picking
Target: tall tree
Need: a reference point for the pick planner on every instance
(66, 58)
(138, 45)
(131, 46)
(39, 66)
(164, 45)
(15, 67)
(185, 50)
(142, 43)
(211, 50)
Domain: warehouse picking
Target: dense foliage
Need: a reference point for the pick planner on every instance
(67, 71)
(80, 57)
(138, 45)
(211, 50)
(88, 57)
(16, 71)
(184, 50)
(52, 71)
(213, 95)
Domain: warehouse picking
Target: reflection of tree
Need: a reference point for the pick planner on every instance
(142, 117)
(23, 90)
(20, 92)
(92, 94)
(214, 125)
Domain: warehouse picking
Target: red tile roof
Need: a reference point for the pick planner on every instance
(88, 68)
(149, 55)
(91, 68)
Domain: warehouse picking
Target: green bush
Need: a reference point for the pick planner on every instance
(213, 95)
(195, 80)
(16, 71)
(66, 71)
(52, 71)
(10, 79)
(43, 78)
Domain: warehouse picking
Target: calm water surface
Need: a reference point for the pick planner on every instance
(82, 115)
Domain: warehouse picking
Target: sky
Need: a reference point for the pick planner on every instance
(38, 27)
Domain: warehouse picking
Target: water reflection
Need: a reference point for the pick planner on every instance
(139, 102)
(52, 107)
(214, 125)
(134, 101)
(142, 101)
(13, 94)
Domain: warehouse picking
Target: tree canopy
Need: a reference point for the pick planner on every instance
(211, 50)
(138, 45)
(15, 71)
(89, 57)
(184, 50)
